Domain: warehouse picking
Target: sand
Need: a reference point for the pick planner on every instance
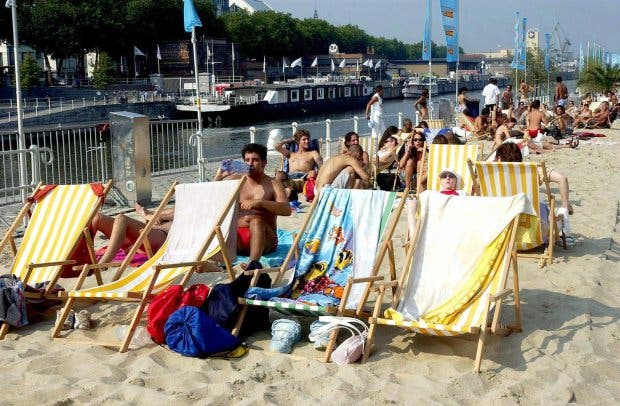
(566, 353)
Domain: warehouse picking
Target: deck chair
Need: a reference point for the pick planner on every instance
(454, 157)
(456, 270)
(509, 178)
(342, 245)
(190, 244)
(435, 123)
(57, 227)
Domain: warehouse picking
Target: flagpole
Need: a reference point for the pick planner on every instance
(232, 45)
(430, 67)
(197, 82)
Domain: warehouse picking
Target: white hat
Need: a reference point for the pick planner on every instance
(453, 172)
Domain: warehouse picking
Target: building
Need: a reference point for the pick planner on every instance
(439, 66)
(532, 39)
(221, 6)
(250, 6)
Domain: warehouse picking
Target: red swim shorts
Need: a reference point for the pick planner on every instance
(533, 133)
(243, 239)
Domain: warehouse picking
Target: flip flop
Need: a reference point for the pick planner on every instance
(573, 143)
(238, 352)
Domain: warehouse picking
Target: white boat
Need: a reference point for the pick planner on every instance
(414, 86)
(205, 107)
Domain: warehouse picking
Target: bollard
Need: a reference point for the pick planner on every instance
(417, 118)
(328, 138)
(356, 120)
(400, 119)
(294, 126)
(131, 156)
(252, 134)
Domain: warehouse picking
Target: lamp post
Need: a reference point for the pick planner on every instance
(21, 139)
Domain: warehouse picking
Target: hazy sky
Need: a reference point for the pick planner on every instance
(482, 28)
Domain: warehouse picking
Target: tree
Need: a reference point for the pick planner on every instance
(537, 75)
(29, 73)
(599, 77)
(104, 71)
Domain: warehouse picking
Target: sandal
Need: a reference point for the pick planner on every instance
(573, 143)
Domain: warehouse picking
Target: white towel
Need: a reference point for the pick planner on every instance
(455, 231)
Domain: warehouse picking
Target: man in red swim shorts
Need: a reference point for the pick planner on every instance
(262, 198)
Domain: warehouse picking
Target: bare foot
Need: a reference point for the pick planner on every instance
(140, 210)
(570, 209)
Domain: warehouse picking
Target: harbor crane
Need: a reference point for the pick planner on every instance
(563, 41)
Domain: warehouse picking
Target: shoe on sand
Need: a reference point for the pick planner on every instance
(69, 321)
(82, 320)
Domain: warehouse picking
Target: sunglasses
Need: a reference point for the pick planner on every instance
(447, 175)
(418, 139)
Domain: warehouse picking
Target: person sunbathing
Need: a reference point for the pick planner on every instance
(123, 231)
(448, 180)
(534, 137)
(503, 132)
(600, 116)
(344, 171)
(305, 161)
(352, 138)
(583, 115)
(411, 160)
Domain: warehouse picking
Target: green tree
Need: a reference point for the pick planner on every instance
(104, 71)
(29, 73)
(537, 75)
(599, 77)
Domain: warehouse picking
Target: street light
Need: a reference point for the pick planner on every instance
(21, 139)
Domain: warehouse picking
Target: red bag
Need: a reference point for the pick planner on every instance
(309, 189)
(167, 302)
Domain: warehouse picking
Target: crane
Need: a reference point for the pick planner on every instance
(563, 41)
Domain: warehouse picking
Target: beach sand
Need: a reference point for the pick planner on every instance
(566, 353)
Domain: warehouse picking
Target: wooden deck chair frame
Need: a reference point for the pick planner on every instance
(144, 297)
(385, 248)
(546, 257)
(367, 142)
(492, 301)
(33, 266)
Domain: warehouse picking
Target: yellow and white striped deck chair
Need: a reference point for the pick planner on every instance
(454, 273)
(510, 178)
(442, 156)
(205, 216)
(58, 222)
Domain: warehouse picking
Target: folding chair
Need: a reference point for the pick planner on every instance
(57, 227)
(442, 156)
(190, 245)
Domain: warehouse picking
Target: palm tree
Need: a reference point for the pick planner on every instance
(599, 77)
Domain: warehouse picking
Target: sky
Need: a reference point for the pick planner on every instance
(485, 25)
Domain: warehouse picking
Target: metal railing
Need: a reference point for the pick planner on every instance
(11, 189)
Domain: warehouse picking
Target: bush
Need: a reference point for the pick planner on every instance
(103, 74)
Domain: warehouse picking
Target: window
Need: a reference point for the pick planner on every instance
(320, 95)
(307, 94)
(295, 95)
(331, 93)
(347, 92)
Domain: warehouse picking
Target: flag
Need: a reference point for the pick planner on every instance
(158, 53)
(450, 19)
(365, 63)
(315, 62)
(284, 64)
(296, 62)
(137, 52)
(264, 64)
(208, 52)
(426, 43)
(581, 59)
(377, 66)
(523, 51)
(547, 46)
(232, 51)
(190, 17)
(333, 66)
(370, 63)
(342, 63)
(515, 57)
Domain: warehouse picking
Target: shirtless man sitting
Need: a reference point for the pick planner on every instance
(344, 171)
(533, 134)
(304, 162)
(600, 116)
(261, 199)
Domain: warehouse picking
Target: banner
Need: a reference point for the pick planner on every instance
(581, 58)
(515, 56)
(547, 46)
(450, 19)
(190, 17)
(232, 50)
(522, 49)
(426, 43)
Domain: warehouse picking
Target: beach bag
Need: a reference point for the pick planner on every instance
(190, 332)
(309, 189)
(167, 302)
(223, 305)
(387, 181)
(554, 131)
(351, 349)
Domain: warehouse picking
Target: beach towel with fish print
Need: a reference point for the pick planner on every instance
(341, 241)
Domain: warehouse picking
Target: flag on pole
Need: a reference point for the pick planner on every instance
(296, 62)
(208, 52)
(581, 59)
(365, 63)
(137, 52)
(315, 63)
(264, 64)
(232, 51)
(523, 50)
(547, 48)
(284, 64)
(426, 43)
(377, 66)
(342, 63)
(450, 19)
(370, 63)
(158, 53)
(190, 17)
(333, 66)
(515, 57)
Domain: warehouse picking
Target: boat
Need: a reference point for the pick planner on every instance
(414, 86)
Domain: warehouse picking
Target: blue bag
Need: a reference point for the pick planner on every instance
(190, 332)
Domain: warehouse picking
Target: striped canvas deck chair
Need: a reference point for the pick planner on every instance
(510, 178)
(190, 244)
(456, 270)
(58, 226)
(454, 157)
(341, 245)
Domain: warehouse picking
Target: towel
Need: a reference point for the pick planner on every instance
(341, 240)
(455, 232)
(276, 258)
(195, 215)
